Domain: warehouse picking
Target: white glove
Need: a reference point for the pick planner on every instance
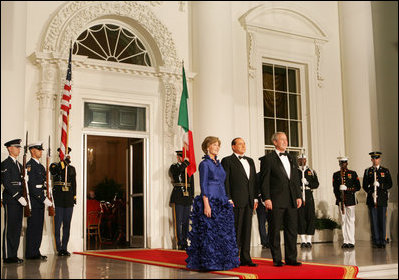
(304, 181)
(47, 202)
(22, 201)
(343, 188)
(376, 184)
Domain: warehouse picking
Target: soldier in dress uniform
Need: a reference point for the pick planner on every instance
(181, 199)
(306, 213)
(13, 201)
(376, 182)
(64, 200)
(346, 183)
(36, 184)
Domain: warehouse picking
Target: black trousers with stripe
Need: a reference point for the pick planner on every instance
(13, 214)
(34, 232)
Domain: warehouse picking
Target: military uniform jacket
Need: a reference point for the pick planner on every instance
(351, 181)
(384, 178)
(177, 172)
(37, 177)
(63, 196)
(11, 180)
(311, 177)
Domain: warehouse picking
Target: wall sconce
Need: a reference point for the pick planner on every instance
(90, 156)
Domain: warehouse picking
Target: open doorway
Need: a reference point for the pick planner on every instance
(115, 192)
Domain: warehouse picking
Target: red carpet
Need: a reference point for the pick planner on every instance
(264, 270)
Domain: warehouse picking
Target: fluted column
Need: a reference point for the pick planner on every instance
(358, 82)
(213, 63)
(47, 97)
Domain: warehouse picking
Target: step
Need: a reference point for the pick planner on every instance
(383, 271)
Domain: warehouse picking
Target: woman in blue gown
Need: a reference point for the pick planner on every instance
(212, 237)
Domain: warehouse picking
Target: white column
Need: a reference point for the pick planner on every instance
(13, 62)
(358, 82)
(213, 62)
(359, 96)
(47, 95)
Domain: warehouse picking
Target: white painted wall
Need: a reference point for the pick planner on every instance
(24, 24)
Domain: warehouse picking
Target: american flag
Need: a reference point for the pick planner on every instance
(65, 107)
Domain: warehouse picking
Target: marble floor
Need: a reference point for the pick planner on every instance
(89, 267)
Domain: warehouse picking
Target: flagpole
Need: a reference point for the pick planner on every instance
(66, 152)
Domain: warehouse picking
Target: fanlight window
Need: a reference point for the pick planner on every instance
(110, 42)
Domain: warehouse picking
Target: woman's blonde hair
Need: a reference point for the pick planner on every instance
(209, 141)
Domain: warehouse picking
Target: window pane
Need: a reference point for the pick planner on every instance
(268, 103)
(111, 43)
(282, 125)
(280, 78)
(295, 106)
(269, 131)
(281, 105)
(115, 117)
(292, 80)
(267, 76)
(296, 134)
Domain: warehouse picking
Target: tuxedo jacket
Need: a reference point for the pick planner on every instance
(239, 188)
(276, 185)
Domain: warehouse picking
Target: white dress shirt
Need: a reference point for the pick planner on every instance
(286, 163)
(245, 164)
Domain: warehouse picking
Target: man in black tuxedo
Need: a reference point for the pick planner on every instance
(241, 190)
(282, 195)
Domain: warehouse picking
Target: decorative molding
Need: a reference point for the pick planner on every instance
(75, 16)
(182, 6)
(318, 52)
(251, 54)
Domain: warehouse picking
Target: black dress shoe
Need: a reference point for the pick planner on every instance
(295, 263)
(279, 263)
(309, 245)
(350, 245)
(303, 245)
(10, 260)
(251, 264)
(61, 253)
(13, 260)
(66, 253)
(42, 257)
(344, 246)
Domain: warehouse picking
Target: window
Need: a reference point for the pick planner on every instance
(110, 42)
(115, 117)
(282, 106)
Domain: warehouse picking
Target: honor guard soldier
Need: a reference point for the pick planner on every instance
(64, 200)
(13, 201)
(376, 182)
(306, 213)
(346, 183)
(181, 198)
(36, 184)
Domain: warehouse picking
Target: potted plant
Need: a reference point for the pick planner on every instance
(326, 230)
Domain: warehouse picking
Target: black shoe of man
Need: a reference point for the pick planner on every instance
(278, 263)
(294, 263)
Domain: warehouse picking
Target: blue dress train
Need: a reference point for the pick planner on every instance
(213, 243)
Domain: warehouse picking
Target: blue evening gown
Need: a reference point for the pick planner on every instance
(213, 243)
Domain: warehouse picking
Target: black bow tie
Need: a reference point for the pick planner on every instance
(283, 154)
(240, 157)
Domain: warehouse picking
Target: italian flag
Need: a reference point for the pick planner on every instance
(183, 122)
